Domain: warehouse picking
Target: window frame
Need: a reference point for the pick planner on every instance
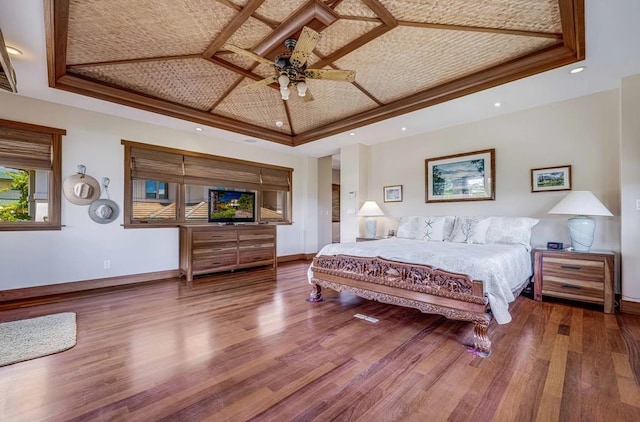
(193, 161)
(54, 221)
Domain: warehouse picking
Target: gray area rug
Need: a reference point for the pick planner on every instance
(36, 337)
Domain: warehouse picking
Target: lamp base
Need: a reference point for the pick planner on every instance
(370, 228)
(581, 229)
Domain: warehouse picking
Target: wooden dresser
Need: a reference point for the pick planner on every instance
(213, 248)
(582, 276)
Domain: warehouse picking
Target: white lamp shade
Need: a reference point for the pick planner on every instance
(370, 209)
(580, 202)
(581, 228)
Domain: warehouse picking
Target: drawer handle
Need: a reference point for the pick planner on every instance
(571, 267)
(571, 286)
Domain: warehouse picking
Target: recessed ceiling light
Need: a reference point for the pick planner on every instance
(497, 104)
(199, 129)
(250, 141)
(352, 134)
(279, 123)
(14, 51)
(577, 69)
(403, 129)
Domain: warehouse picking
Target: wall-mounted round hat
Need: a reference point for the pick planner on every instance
(103, 211)
(81, 189)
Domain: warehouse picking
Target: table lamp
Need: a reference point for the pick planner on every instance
(369, 210)
(581, 203)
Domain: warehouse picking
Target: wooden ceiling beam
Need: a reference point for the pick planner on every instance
(313, 14)
(572, 26)
(56, 21)
(232, 27)
(448, 27)
(269, 22)
(128, 61)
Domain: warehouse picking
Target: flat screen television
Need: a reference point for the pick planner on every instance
(230, 206)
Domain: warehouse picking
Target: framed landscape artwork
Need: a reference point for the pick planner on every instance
(393, 193)
(461, 177)
(551, 178)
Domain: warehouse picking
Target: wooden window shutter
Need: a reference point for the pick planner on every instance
(212, 172)
(25, 149)
(149, 164)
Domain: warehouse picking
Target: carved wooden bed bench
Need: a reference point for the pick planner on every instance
(434, 291)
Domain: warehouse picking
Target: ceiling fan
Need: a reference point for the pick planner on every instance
(291, 66)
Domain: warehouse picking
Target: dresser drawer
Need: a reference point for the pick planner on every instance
(248, 255)
(220, 260)
(215, 236)
(587, 291)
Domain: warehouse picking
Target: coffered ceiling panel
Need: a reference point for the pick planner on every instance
(217, 62)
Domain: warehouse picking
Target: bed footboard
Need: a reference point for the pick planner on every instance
(430, 290)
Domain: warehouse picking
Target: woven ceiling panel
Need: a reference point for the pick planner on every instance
(122, 29)
(196, 83)
(249, 34)
(530, 15)
(458, 53)
(342, 32)
(279, 10)
(354, 8)
(262, 107)
(333, 101)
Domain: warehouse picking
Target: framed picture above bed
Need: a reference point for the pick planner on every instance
(461, 177)
(551, 178)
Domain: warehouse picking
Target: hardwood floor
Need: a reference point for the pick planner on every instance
(247, 346)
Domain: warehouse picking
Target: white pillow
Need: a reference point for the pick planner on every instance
(511, 230)
(470, 230)
(432, 228)
(409, 227)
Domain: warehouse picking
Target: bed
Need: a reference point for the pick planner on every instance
(464, 268)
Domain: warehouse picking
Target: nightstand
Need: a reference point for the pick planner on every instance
(581, 276)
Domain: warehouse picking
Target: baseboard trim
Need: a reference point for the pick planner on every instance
(296, 257)
(78, 286)
(629, 307)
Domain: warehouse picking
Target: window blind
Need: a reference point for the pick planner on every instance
(150, 164)
(25, 149)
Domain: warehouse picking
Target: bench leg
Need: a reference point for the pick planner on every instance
(481, 343)
(315, 295)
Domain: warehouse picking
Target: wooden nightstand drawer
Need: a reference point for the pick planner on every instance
(582, 276)
(579, 269)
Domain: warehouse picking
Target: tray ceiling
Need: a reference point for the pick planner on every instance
(169, 56)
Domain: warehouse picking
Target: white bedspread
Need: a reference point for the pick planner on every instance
(502, 268)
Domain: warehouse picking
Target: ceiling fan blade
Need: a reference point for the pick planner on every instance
(307, 96)
(247, 53)
(264, 82)
(331, 74)
(304, 46)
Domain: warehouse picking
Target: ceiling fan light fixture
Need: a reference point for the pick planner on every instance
(283, 80)
(302, 89)
(284, 92)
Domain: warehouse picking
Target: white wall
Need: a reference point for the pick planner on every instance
(582, 132)
(79, 250)
(630, 182)
(324, 201)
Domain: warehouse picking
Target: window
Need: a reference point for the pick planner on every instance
(167, 187)
(155, 189)
(30, 176)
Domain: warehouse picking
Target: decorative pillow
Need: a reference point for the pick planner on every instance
(511, 230)
(470, 230)
(449, 221)
(432, 228)
(409, 227)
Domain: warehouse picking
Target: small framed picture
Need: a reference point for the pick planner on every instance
(551, 178)
(393, 193)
